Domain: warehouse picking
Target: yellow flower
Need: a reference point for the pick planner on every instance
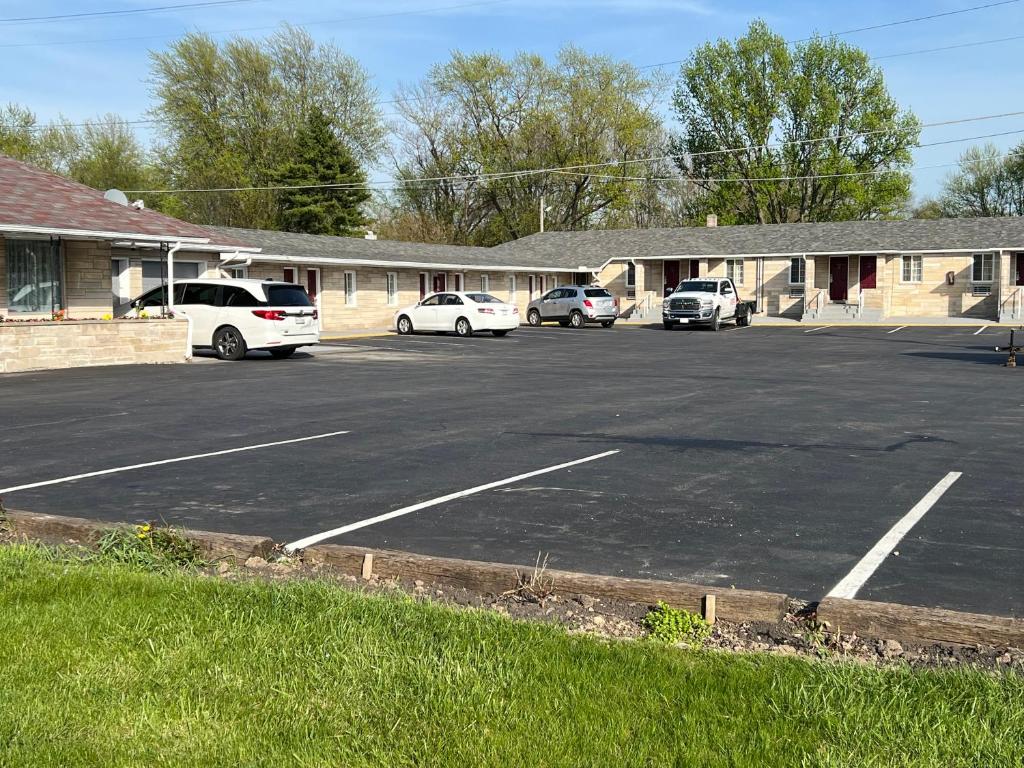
(141, 535)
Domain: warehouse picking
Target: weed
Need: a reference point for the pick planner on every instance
(149, 548)
(537, 586)
(671, 625)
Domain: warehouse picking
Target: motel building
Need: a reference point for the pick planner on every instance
(68, 252)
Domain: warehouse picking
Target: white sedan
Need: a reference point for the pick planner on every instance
(458, 312)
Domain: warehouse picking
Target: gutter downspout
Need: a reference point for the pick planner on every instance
(170, 297)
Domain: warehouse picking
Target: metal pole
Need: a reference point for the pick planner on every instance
(542, 213)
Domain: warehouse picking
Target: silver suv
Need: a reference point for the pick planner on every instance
(575, 306)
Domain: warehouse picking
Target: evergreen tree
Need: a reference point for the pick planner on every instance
(320, 157)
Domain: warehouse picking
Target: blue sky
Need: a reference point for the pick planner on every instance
(48, 68)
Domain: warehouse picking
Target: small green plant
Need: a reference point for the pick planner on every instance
(150, 548)
(671, 625)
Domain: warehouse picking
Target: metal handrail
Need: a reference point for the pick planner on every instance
(639, 305)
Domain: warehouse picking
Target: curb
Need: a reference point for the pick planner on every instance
(883, 621)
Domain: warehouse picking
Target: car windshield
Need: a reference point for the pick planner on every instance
(597, 293)
(697, 286)
(483, 298)
(287, 296)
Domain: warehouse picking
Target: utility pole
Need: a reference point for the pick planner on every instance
(542, 213)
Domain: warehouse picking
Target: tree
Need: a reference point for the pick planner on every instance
(492, 122)
(987, 183)
(230, 113)
(319, 157)
(818, 109)
(928, 208)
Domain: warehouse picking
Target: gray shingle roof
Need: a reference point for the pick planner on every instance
(359, 249)
(595, 247)
(592, 249)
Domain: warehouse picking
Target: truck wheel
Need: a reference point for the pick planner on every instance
(716, 320)
(743, 319)
(607, 323)
(668, 325)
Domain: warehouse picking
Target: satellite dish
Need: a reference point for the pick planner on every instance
(116, 196)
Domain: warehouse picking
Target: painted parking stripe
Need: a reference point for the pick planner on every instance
(897, 329)
(981, 330)
(318, 537)
(161, 462)
(868, 564)
(812, 330)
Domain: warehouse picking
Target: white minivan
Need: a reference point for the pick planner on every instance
(233, 316)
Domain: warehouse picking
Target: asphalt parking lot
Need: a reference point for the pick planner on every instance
(761, 458)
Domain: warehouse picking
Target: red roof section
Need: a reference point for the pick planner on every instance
(32, 197)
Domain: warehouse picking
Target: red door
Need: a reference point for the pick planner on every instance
(671, 276)
(1020, 269)
(440, 282)
(288, 274)
(694, 269)
(423, 284)
(868, 272)
(839, 278)
(312, 283)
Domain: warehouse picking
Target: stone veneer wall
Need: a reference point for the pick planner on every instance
(77, 343)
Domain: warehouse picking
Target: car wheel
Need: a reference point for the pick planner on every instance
(228, 343)
(607, 323)
(282, 352)
(463, 328)
(404, 325)
(500, 333)
(533, 317)
(576, 319)
(668, 325)
(744, 319)
(716, 320)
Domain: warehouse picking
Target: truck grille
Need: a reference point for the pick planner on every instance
(683, 304)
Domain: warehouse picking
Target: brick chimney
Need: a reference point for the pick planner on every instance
(712, 220)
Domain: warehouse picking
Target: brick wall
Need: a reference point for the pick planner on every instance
(87, 287)
(933, 296)
(76, 343)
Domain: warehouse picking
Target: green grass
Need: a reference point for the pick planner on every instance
(104, 665)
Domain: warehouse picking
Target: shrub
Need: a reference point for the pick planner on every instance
(150, 548)
(671, 625)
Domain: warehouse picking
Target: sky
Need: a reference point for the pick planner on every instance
(83, 67)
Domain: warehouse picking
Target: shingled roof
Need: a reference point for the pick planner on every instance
(357, 250)
(595, 247)
(34, 200)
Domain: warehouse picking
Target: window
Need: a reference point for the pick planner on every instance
(154, 272)
(734, 270)
(350, 289)
(511, 289)
(597, 293)
(392, 289)
(287, 296)
(199, 293)
(483, 298)
(238, 273)
(485, 283)
(432, 301)
(580, 278)
(631, 275)
(797, 271)
(913, 269)
(983, 268)
(236, 296)
(451, 300)
(34, 276)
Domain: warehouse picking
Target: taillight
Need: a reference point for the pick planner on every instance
(485, 310)
(269, 314)
(588, 304)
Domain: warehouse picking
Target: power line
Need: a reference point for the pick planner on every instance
(910, 21)
(121, 12)
(575, 170)
(262, 28)
(948, 47)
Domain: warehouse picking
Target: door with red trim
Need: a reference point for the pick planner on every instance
(839, 278)
(671, 276)
(440, 282)
(313, 289)
(694, 269)
(1020, 269)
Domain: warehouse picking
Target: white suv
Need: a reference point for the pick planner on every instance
(234, 316)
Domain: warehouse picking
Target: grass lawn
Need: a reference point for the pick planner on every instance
(104, 665)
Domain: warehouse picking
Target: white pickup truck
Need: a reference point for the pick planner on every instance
(705, 301)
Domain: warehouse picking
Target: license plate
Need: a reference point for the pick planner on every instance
(300, 321)
(684, 320)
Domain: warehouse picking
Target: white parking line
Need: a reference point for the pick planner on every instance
(868, 564)
(897, 329)
(111, 471)
(980, 330)
(318, 537)
(812, 330)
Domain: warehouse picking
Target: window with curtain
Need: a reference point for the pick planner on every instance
(34, 276)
